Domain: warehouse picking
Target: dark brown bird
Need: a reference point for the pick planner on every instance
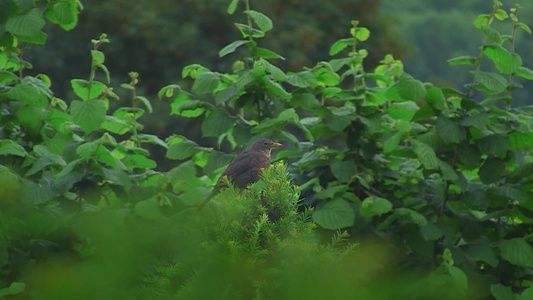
(245, 168)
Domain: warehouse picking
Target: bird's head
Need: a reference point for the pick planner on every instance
(265, 145)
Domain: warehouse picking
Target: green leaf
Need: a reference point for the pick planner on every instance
(410, 89)
(150, 139)
(64, 13)
(10, 185)
(525, 73)
(86, 90)
(505, 61)
(89, 114)
(425, 154)
(450, 130)
(511, 193)
(45, 158)
(184, 106)
(459, 278)
(206, 83)
(305, 100)
(339, 45)
(182, 150)
(146, 103)
(524, 27)
(305, 79)
(491, 171)
(494, 82)
(25, 93)
(517, 251)
(478, 121)
(331, 192)
(492, 34)
(40, 84)
(448, 173)
(216, 123)
(7, 77)
(335, 214)
(501, 292)
(149, 209)
(483, 252)
(402, 110)
(430, 232)
(246, 31)
(507, 100)
(362, 34)
(116, 125)
(326, 77)
(375, 206)
(185, 173)
(89, 149)
(494, 145)
(521, 140)
(392, 142)
(528, 293)
(118, 177)
(435, 97)
(98, 57)
(232, 6)
(9, 147)
(338, 63)
(288, 116)
(276, 72)
(501, 14)
(39, 38)
(35, 194)
(340, 117)
(28, 24)
(276, 89)
(343, 170)
(521, 172)
(469, 156)
(231, 47)
(265, 53)
(463, 60)
(33, 116)
(263, 22)
(226, 94)
(482, 20)
(423, 114)
(139, 161)
(168, 91)
(216, 160)
(13, 289)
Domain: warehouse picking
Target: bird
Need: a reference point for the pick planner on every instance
(245, 168)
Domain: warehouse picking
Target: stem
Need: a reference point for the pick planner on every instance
(480, 55)
(447, 189)
(259, 110)
(134, 106)
(354, 48)
(512, 50)
(21, 69)
(247, 3)
(93, 71)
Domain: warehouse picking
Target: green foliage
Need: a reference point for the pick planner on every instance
(434, 186)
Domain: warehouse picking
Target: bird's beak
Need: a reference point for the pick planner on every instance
(275, 145)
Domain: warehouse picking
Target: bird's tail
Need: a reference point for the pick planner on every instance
(206, 200)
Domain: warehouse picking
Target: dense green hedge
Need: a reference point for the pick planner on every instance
(387, 187)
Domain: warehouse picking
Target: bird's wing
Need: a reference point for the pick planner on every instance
(245, 167)
(241, 163)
